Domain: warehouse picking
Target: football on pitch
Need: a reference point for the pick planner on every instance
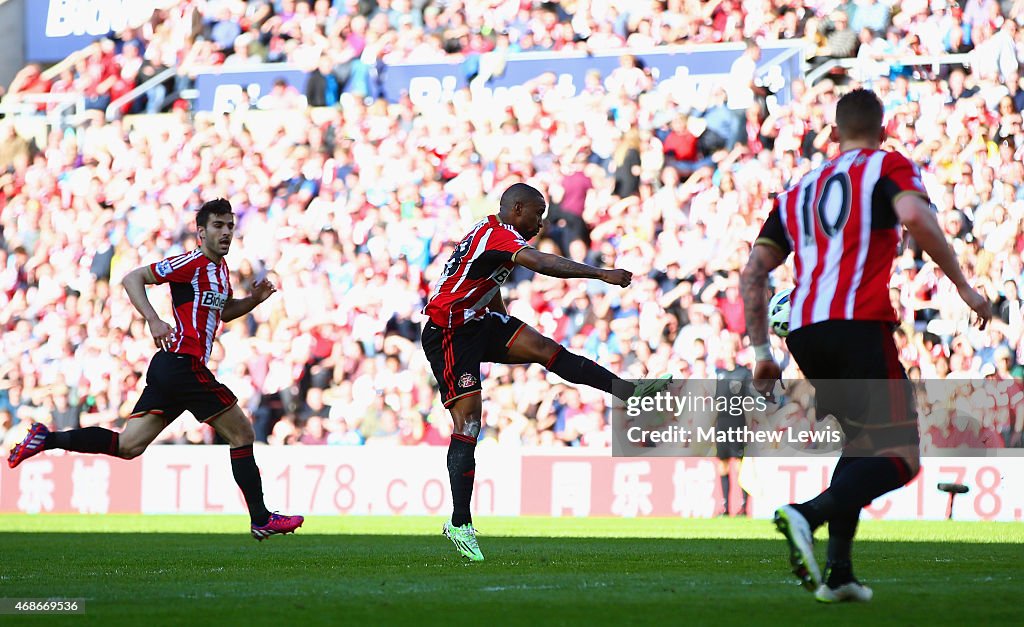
(778, 312)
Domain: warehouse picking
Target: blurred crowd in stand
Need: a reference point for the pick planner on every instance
(353, 206)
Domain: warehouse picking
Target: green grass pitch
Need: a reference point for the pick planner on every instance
(149, 570)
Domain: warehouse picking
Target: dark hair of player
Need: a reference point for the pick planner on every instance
(217, 206)
(859, 115)
(521, 193)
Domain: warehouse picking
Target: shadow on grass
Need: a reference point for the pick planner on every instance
(132, 577)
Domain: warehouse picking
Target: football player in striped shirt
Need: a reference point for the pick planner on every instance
(843, 223)
(469, 325)
(178, 379)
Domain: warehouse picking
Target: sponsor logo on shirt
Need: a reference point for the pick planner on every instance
(213, 300)
(499, 275)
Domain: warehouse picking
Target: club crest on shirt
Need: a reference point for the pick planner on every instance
(467, 380)
(213, 300)
(164, 268)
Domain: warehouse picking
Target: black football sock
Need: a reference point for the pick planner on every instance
(578, 369)
(725, 491)
(247, 476)
(818, 510)
(461, 473)
(855, 484)
(868, 478)
(841, 530)
(839, 573)
(88, 440)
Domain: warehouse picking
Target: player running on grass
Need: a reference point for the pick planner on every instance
(843, 222)
(178, 379)
(469, 325)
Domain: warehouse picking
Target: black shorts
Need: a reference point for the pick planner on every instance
(858, 378)
(455, 355)
(176, 383)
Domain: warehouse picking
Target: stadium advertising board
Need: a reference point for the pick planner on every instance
(220, 88)
(399, 481)
(326, 480)
(432, 82)
(72, 483)
(571, 69)
(690, 487)
(56, 28)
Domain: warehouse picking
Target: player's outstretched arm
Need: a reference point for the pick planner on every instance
(916, 214)
(135, 283)
(562, 268)
(238, 307)
(754, 289)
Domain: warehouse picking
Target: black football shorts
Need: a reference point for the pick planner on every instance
(858, 378)
(176, 382)
(455, 355)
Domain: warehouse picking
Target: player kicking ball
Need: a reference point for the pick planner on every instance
(843, 223)
(178, 378)
(469, 325)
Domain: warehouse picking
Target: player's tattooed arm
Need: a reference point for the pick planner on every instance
(754, 289)
(562, 268)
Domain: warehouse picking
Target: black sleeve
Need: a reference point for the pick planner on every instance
(487, 263)
(773, 233)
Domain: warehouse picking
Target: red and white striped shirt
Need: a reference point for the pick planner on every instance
(474, 273)
(841, 222)
(199, 290)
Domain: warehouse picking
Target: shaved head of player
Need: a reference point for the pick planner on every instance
(523, 207)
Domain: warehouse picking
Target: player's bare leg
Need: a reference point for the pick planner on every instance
(467, 413)
(138, 434)
(235, 428)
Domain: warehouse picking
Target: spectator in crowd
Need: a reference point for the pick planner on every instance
(323, 89)
(742, 81)
(680, 146)
(626, 164)
(841, 42)
(281, 96)
(572, 195)
(15, 150)
(872, 16)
